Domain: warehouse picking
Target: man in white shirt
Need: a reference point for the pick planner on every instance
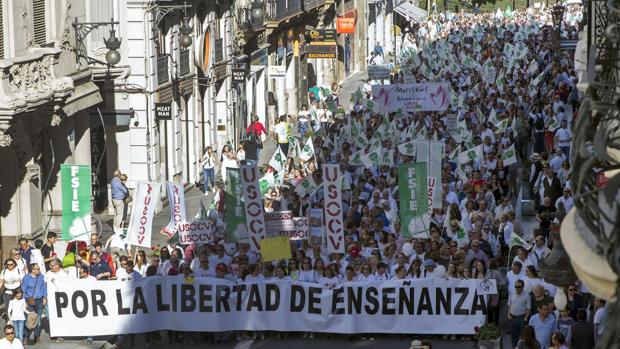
(220, 256)
(563, 137)
(516, 273)
(566, 200)
(10, 342)
(204, 269)
(557, 160)
(541, 251)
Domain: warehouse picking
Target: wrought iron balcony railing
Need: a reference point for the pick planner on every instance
(163, 75)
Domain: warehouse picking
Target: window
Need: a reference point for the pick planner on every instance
(38, 18)
(1, 30)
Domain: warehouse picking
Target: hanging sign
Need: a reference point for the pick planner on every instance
(345, 25)
(76, 209)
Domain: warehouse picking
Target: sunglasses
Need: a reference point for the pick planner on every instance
(518, 286)
(9, 333)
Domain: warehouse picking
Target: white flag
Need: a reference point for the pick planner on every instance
(278, 160)
(509, 156)
(176, 199)
(307, 151)
(141, 222)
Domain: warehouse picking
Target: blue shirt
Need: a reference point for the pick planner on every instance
(543, 329)
(34, 287)
(100, 268)
(119, 191)
(26, 255)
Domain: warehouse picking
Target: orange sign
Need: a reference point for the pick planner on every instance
(345, 25)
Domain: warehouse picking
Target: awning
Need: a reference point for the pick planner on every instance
(83, 97)
(411, 12)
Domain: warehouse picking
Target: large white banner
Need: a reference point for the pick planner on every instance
(255, 219)
(176, 200)
(333, 208)
(140, 227)
(420, 306)
(427, 96)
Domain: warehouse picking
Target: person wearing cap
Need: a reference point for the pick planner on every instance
(432, 270)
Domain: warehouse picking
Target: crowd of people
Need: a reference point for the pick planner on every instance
(526, 104)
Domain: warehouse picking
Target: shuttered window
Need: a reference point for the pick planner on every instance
(38, 16)
(1, 31)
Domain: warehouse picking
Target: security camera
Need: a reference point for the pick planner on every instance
(136, 123)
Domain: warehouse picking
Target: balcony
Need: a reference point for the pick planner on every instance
(184, 67)
(31, 80)
(245, 22)
(280, 10)
(162, 70)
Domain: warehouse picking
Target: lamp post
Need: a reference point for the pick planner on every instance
(112, 43)
(185, 40)
(557, 14)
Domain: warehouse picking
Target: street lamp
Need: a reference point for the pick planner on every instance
(113, 43)
(557, 270)
(258, 12)
(185, 39)
(557, 14)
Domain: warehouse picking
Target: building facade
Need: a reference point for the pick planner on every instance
(152, 114)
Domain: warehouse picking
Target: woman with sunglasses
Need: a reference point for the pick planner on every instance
(19, 260)
(366, 273)
(307, 274)
(11, 279)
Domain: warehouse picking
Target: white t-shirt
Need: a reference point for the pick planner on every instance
(564, 137)
(12, 279)
(17, 307)
(50, 276)
(200, 272)
(5, 344)
(281, 131)
(599, 319)
(370, 277)
(306, 276)
(329, 282)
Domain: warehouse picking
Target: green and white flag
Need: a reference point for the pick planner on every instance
(373, 158)
(412, 188)
(278, 160)
(467, 156)
(509, 156)
(387, 158)
(307, 151)
(493, 117)
(454, 152)
(307, 186)
(538, 79)
(407, 148)
(516, 240)
(502, 125)
(356, 158)
(76, 206)
(266, 182)
(234, 213)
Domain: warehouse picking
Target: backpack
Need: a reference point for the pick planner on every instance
(253, 137)
(539, 124)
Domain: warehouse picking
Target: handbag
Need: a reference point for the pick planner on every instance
(31, 320)
(31, 300)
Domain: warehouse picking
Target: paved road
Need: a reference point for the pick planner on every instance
(300, 343)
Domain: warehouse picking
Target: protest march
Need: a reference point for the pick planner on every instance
(397, 212)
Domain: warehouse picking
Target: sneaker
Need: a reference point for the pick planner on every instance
(238, 337)
(305, 335)
(452, 337)
(59, 340)
(254, 336)
(311, 336)
(262, 336)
